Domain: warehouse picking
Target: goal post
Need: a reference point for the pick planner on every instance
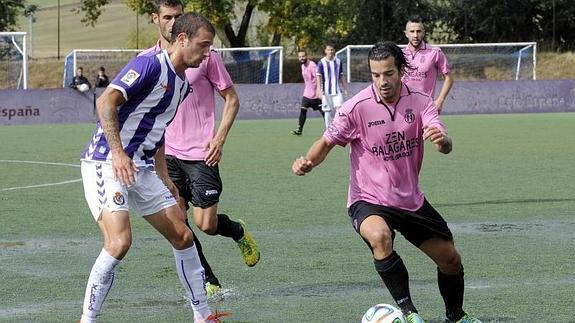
(263, 65)
(13, 60)
(480, 61)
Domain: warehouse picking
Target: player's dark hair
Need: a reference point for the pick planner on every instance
(189, 23)
(384, 50)
(415, 19)
(166, 3)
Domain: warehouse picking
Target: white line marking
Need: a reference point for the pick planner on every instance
(39, 185)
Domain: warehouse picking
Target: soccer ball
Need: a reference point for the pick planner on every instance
(383, 313)
(83, 87)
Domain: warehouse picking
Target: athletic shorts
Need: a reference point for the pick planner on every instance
(197, 182)
(416, 227)
(331, 102)
(147, 196)
(315, 104)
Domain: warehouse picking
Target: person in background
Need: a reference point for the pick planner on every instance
(102, 79)
(309, 99)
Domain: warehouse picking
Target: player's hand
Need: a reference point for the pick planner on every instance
(215, 150)
(172, 187)
(124, 168)
(436, 136)
(301, 166)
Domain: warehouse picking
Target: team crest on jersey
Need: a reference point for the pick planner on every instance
(119, 199)
(422, 59)
(409, 116)
(130, 77)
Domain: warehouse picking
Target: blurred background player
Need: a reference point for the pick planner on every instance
(79, 79)
(124, 168)
(329, 79)
(426, 63)
(194, 149)
(102, 79)
(310, 98)
(384, 194)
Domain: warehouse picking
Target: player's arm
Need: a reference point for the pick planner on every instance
(315, 156)
(106, 106)
(318, 83)
(162, 171)
(440, 139)
(447, 84)
(231, 108)
(343, 84)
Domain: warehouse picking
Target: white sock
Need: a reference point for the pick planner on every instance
(99, 284)
(191, 274)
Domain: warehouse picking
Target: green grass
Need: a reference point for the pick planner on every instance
(506, 190)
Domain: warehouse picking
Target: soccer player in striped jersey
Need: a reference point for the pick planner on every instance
(329, 84)
(123, 165)
(386, 125)
(426, 62)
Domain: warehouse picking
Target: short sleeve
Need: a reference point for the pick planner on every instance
(217, 72)
(430, 116)
(136, 75)
(343, 129)
(442, 64)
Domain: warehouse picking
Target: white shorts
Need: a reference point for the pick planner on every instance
(331, 102)
(147, 196)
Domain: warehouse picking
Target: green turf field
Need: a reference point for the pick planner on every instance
(507, 191)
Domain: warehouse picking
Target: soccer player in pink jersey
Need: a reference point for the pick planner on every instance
(386, 125)
(165, 12)
(194, 148)
(426, 62)
(310, 98)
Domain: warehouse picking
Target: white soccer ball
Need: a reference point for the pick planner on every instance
(83, 87)
(383, 313)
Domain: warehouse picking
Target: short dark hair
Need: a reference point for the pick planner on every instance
(102, 69)
(384, 50)
(189, 23)
(166, 3)
(415, 19)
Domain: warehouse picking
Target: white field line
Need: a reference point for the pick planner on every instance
(38, 185)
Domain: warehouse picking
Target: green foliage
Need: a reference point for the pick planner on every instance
(385, 20)
(9, 10)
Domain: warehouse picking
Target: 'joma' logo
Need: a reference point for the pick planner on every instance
(375, 123)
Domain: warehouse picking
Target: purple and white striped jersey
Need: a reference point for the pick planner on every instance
(330, 72)
(152, 91)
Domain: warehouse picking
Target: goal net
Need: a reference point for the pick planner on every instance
(492, 61)
(245, 65)
(13, 60)
(113, 60)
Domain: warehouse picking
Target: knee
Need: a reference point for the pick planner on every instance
(184, 240)
(119, 246)
(381, 241)
(207, 227)
(451, 263)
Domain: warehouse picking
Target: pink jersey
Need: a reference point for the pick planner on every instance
(193, 126)
(386, 146)
(308, 71)
(426, 63)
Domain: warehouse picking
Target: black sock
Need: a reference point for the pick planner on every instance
(210, 277)
(396, 278)
(451, 288)
(229, 228)
(302, 118)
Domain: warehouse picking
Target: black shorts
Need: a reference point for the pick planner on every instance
(416, 227)
(197, 182)
(315, 104)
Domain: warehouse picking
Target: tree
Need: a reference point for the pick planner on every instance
(9, 11)
(385, 20)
